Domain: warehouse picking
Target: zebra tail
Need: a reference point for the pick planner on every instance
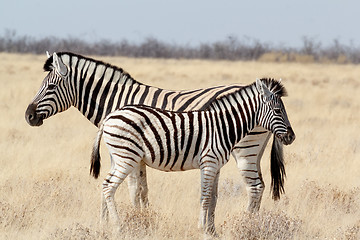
(277, 169)
(95, 155)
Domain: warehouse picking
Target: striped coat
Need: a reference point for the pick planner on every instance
(179, 141)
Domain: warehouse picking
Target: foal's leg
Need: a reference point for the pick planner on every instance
(143, 186)
(133, 181)
(104, 212)
(137, 185)
(122, 168)
(208, 175)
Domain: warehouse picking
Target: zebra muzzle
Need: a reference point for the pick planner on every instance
(32, 118)
(288, 137)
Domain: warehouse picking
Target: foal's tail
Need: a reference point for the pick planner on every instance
(277, 169)
(95, 155)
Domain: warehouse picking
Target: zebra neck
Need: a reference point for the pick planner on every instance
(99, 88)
(239, 111)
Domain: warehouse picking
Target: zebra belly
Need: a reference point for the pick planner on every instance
(179, 165)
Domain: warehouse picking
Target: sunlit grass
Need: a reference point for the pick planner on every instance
(47, 192)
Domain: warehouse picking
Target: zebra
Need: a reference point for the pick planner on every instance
(96, 88)
(180, 141)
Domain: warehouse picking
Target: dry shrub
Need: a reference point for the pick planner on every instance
(262, 225)
(138, 223)
(275, 57)
(18, 217)
(12, 216)
(76, 231)
(135, 224)
(286, 57)
(304, 58)
(353, 232)
(153, 224)
(333, 197)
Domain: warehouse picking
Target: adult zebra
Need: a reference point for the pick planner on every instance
(96, 89)
(178, 141)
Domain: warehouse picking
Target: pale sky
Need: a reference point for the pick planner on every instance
(279, 22)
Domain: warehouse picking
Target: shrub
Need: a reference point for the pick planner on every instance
(231, 48)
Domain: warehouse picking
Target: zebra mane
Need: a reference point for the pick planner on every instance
(275, 86)
(49, 67)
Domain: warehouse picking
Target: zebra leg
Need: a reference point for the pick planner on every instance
(212, 206)
(134, 187)
(112, 181)
(137, 185)
(248, 153)
(143, 186)
(208, 175)
(104, 212)
(110, 185)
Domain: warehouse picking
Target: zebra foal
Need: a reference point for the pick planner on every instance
(180, 141)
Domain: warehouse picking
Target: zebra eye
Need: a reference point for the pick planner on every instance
(52, 86)
(277, 111)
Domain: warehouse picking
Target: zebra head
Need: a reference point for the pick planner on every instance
(54, 94)
(272, 114)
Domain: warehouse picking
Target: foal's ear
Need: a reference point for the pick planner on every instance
(59, 65)
(263, 89)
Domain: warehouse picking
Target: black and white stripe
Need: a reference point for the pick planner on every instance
(179, 141)
(96, 88)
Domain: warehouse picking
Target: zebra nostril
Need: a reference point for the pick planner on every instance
(31, 117)
(290, 135)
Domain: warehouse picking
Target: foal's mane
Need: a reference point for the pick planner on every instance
(275, 86)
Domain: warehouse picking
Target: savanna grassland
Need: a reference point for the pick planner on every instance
(46, 191)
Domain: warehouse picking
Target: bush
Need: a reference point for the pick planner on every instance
(262, 225)
(229, 49)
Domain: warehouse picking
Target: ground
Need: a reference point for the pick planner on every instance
(47, 192)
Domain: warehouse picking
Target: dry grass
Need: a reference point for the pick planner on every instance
(262, 225)
(47, 192)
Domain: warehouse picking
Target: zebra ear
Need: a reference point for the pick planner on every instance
(48, 54)
(59, 65)
(263, 89)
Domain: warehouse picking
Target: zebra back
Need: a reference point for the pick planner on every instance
(99, 88)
